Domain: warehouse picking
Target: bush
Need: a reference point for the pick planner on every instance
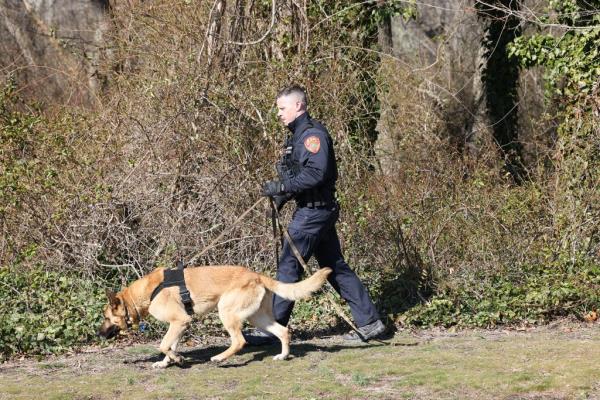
(44, 312)
(537, 294)
(447, 232)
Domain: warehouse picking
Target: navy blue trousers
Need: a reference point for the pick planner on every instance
(313, 232)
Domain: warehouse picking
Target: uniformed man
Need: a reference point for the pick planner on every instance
(307, 173)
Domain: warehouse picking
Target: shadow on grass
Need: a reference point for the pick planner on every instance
(259, 353)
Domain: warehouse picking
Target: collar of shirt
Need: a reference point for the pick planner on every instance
(297, 124)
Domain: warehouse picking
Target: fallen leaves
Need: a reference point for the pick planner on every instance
(591, 316)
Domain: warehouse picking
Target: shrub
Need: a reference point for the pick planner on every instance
(536, 295)
(44, 312)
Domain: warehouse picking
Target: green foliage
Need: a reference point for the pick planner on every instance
(40, 311)
(533, 294)
(45, 312)
(572, 61)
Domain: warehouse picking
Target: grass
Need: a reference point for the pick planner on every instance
(469, 365)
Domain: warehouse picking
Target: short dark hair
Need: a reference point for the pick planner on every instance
(296, 90)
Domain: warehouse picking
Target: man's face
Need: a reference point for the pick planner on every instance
(289, 108)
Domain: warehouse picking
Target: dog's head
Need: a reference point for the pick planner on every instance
(115, 316)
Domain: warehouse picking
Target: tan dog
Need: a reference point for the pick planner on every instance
(238, 293)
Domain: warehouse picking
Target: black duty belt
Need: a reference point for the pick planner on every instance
(315, 204)
(174, 277)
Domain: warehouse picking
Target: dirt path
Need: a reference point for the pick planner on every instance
(553, 362)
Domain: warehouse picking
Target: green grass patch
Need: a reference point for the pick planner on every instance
(549, 363)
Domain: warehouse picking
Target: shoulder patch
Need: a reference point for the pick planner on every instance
(312, 144)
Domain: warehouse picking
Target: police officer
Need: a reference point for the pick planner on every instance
(307, 173)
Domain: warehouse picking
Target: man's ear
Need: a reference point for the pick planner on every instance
(112, 298)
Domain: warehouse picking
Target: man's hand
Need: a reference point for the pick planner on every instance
(282, 171)
(272, 188)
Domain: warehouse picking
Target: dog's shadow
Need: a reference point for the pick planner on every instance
(259, 353)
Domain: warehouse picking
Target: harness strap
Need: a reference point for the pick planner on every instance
(174, 277)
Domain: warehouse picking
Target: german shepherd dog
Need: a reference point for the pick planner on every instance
(238, 293)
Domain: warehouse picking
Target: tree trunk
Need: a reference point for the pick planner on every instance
(385, 35)
(501, 81)
(442, 49)
(214, 30)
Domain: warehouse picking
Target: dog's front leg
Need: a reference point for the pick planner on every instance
(168, 345)
(173, 356)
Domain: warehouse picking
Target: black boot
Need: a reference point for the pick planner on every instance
(256, 337)
(371, 331)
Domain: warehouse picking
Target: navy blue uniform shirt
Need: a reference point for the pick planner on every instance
(312, 152)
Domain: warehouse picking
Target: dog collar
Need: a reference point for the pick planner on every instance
(129, 319)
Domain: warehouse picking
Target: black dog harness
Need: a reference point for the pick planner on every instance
(174, 277)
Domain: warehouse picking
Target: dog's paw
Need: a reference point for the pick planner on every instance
(160, 364)
(280, 357)
(179, 360)
(217, 359)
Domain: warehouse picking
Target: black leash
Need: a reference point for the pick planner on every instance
(329, 295)
(275, 225)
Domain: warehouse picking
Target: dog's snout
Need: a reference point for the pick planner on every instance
(109, 332)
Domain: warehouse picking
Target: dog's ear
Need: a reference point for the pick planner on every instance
(112, 298)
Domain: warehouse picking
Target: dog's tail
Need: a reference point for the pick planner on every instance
(299, 290)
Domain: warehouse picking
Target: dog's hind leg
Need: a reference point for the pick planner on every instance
(234, 309)
(233, 324)
(168, 345)
(266, 322)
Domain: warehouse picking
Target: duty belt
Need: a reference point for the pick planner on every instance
(314, 204)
